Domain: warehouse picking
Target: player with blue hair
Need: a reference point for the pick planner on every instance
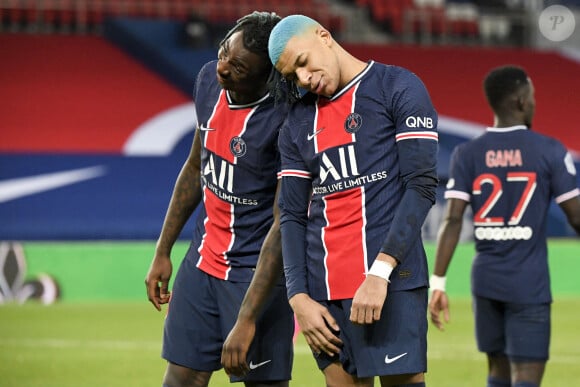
(293, 25)
(359, 161)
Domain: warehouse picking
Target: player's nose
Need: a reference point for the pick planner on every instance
(303, 77)
(223, 68)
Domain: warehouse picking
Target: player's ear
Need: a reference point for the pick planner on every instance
(521, 102)
(324, 34)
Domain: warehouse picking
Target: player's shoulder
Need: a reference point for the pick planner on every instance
(545, 140)
(539, 142)
(207, 72)
(300, 107)
(394, 73)
(299, 116)
(209, 66)
(467, 149)
(396, 81)
(206, 81)
(528, 141)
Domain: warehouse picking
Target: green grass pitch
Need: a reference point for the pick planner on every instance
(118, 344)
(92, 338)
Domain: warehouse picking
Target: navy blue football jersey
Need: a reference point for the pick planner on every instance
(239, 166)
(509, 177)
(356, 151)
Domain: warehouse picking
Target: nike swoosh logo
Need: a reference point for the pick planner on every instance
(311, 136)
(25, 186)
(205, 128)
(393, 359)
(254, 366)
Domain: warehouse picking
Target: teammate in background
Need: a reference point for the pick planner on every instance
(508, 176)
(359, 155)
(235, 250)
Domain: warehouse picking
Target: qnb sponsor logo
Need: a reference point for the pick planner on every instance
(503, 233)
(419, 122)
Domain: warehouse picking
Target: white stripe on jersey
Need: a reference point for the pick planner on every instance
(295, 173)
(426, 135)
(452, 194)
(567, 195)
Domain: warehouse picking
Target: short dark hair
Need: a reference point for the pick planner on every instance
(502, 82)
(256, 27)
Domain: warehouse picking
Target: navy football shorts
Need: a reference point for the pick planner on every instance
(201, 313)
(394, 345)
(519, 331)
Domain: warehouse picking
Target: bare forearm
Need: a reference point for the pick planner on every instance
(185, 198)
(446, 244)
(571, 208)
(268, 273)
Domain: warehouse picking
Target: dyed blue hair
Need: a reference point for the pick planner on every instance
(287, 28)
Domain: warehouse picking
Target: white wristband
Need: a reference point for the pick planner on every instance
(381, 269)
(437, 283)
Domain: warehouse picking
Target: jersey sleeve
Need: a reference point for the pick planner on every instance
(417, 144)
(564, 179)
(459, 184)
(293, 203)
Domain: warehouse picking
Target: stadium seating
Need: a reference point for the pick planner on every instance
(409, 21)
(88, 15)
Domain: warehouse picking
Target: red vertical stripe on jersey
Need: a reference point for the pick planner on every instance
(218, 237)
(331, 118)
(344, 243)
(224, 125)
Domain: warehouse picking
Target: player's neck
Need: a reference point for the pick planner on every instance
(247, 98)
(350, 67)
(507, 122)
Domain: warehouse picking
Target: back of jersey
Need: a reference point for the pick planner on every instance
(509, 176)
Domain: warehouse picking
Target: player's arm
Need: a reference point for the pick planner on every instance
(447, 240)
(571, 208)
(448, 236)
(268, 273)
(184, 199)
(420, 182)
(417, 148)
(314, 319)
(564, 183)
(417, 155)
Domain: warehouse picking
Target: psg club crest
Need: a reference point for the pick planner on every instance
(353, 123)
(238, 146)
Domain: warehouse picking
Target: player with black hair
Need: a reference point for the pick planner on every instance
(508, 176)
(503, 83)
(228, 303)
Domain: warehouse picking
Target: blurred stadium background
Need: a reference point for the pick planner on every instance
(96, 118)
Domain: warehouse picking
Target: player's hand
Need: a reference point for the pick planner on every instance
(157, 281)
(317, 324)
(439, 303)
(368, 300)
(236, 347)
